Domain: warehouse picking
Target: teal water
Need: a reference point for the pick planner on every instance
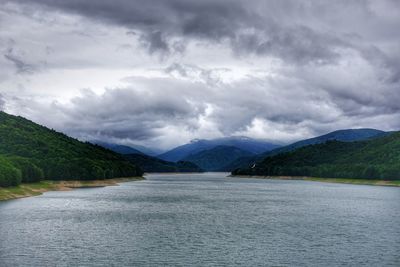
(204, 220)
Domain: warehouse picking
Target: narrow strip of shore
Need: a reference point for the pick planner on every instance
(35, 189)
(327, 180)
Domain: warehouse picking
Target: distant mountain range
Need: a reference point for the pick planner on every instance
(132, 149)
(253, 146)
(216, 158)
(348, 135)
(30, 152)
(377, 158)
(121, 149)
(227, 154)
(153, 164)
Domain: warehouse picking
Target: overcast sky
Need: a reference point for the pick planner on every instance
(163, 72)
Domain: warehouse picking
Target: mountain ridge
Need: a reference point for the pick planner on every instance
(31, 152)
(377, 158)
(346, 135)
(215, 158)
(197, 145)
(153, 164)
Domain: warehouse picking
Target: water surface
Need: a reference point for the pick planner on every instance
(204, 220)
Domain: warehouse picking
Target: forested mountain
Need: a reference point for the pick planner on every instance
(153, 164)
(216, 158)
(30, 152)
(131, 149)
(120, 149)
(347, 135)
(253, 146)
(372, 159)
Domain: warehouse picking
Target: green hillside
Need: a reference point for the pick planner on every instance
(153, 164)
(30, 152)
(374, 159)
(216, 158)
(346, 135)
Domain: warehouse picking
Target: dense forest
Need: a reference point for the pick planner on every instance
(373, 159)
(346, 135)
(153, 164)
(215, 159)
(30, 152)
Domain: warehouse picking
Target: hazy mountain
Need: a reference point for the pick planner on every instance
(377, 158)
(250, 145)
(153, 164)
(121, 149)
(151, 151)
(131, 149)
(347, 135)
(215, 158)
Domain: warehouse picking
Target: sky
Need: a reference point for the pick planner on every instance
(160, 73)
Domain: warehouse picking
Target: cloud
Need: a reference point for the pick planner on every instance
(117, 114)
(246, 27)
(172, 110)
(21, 66)
(162, 72)
(2, 103)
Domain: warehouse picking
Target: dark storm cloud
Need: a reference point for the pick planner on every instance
(126, 114)
(155, 41)
(298, 44)
(243, 24)
(324, 65)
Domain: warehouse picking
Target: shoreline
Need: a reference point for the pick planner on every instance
(35, 189)
(373, 182)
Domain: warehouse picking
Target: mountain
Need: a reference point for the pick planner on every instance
(347, 135)
(244, 143)
(377, 158)
(215, 158)
(121, 149)
(151, 151)
(30, 152)
(153, 164)
(131, 149)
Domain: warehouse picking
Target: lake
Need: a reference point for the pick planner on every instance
(204, 220)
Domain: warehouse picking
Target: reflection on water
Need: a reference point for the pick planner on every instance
(204, 220)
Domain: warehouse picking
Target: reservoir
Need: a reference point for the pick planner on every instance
(204, 220)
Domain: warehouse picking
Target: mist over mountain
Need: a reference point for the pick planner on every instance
(121, 149)
(253, 146)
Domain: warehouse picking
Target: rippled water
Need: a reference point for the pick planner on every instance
(204, 220)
